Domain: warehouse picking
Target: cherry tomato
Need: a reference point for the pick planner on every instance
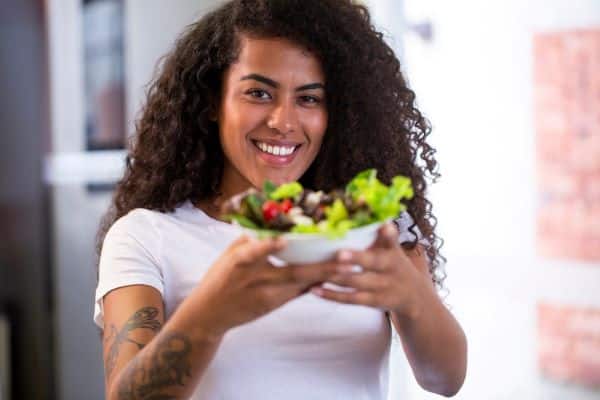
(270, 209)
(286, 205)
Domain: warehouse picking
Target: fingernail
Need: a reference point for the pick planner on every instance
(344, 255)
(317, 291)
(349, 269)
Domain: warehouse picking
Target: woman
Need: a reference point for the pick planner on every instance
(282, 90)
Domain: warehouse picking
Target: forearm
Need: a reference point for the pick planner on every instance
(172, 364)
(435, 346)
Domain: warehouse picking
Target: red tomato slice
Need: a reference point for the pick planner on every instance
(270, 209)
(286, 205)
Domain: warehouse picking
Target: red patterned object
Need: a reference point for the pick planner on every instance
(567, 122)
(569, 343)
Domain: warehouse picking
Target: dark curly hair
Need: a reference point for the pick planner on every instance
(373, 122)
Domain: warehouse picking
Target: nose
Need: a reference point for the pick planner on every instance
(283, 117)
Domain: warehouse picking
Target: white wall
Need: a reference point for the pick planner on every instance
(474, 82)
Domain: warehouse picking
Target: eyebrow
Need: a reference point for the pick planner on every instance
(272, 83)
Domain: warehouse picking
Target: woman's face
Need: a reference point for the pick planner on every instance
(272, 114)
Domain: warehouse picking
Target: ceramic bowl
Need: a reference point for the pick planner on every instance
(305, 248)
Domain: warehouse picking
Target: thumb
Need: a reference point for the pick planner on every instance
(240, 240)
(255, 249)
(387, 236)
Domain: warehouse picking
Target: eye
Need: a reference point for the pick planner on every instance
(310, 99)
(259, 94)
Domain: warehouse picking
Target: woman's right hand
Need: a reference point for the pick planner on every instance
(243, 285)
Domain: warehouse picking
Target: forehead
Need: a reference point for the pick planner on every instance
(278, 59)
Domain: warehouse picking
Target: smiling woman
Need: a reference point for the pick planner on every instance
(272, 113)
(295, 90)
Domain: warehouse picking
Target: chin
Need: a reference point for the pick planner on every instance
(278, 179)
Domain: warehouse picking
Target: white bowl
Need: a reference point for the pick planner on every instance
(303, 248)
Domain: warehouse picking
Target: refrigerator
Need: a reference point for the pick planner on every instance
(101, 54)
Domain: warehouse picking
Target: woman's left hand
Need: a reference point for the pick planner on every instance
(388, 278)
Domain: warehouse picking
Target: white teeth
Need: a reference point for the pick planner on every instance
(275, 150)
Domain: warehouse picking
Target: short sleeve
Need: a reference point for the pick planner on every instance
(404, 222)
(130, 254)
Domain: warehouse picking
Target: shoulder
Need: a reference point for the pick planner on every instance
(139, 222)
(137, 229)
(150, 227)
(138, 219)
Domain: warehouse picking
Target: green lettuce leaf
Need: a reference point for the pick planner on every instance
(308, 228)
(326, 228)
(243, 221)
(336, 212)
(340, 229)
(286, 191)
(334, 226)
(361, 218)
(384, 201)
(268, 188)
(361, 181)
(255, 203)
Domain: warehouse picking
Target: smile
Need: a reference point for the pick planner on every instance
(275, 150)
(276, 154)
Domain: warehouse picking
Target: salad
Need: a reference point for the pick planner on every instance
(291, 208)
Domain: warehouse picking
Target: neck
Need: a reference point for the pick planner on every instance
(231, 184)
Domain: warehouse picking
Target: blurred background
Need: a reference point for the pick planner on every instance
(512, 89)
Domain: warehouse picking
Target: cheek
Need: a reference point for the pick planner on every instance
(239, 121)
(317, 125)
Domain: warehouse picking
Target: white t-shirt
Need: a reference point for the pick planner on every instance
(309, 348)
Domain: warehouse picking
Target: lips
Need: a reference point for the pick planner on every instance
(285, 143)
(273, 159)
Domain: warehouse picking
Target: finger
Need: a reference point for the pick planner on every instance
(372, 259)
(255, 249)
(308, 274)
(391, 235)
(387, 236)
(358, 297)
(367, 281)
(380, 239)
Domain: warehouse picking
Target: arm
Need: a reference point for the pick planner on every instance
(396, 279)
(435, 344)
(143, 358)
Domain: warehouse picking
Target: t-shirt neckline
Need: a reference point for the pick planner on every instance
(204, 216)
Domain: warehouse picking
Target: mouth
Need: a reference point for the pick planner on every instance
(276, 153)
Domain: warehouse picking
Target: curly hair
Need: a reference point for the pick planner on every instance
(175, 154)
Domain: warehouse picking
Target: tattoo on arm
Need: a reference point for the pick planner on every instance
(144, 318)
(166, 366)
